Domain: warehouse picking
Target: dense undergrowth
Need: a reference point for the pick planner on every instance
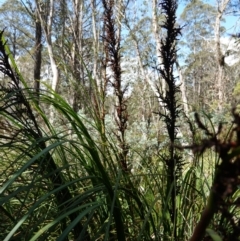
(65, 180)
(61, 184)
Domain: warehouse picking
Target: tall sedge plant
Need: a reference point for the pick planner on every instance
(113, 60)
(22, 127)
(57, 185)
(171, 113)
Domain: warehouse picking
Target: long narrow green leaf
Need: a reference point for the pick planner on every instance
(29, 163)
(63, 216)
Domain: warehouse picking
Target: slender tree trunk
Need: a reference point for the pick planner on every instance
(156, 89)
(37, 55)
(119, 17)
(45, 13)
(95, 44)
(47, 29)
(145, 75)
(75, 53)
(155, 24)
(99, 76)
(183, 89)
(219, 55)
(14, 43)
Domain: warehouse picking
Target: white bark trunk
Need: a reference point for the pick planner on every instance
(76, 22)
(146, 75)
(183, 90)
(95, 45)
(219, 55)
(155, 24)
(55, 78)
(119, 16)
(47, 28)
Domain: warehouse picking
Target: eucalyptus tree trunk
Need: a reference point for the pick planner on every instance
(145, 74)
(76, 51)
(37, 55)
(222, 5)
(95, 44)
(156, 33)
(119, 17)
(99, 74)
(183, 89)
(155, 87)
(45, 13)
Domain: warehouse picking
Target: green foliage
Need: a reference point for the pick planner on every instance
(62, 179)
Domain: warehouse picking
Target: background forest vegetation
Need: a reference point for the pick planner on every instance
(119, 120)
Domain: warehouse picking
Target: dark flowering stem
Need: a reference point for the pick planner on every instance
(113, 60)
(170, 113)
